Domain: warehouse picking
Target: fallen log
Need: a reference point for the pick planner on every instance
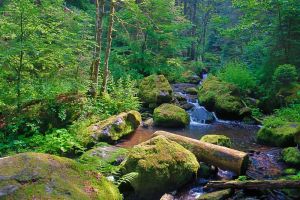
(254, 184)
(222, 157)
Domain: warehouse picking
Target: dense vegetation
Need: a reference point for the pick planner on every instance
(66, 65)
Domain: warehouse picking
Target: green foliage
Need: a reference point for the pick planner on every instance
(127, 178)
(238, 74)
(242, 178)
(285, 75)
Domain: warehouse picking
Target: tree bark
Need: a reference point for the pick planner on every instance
(97, 60)
(254, 184)
(222, 157)
(108, 47)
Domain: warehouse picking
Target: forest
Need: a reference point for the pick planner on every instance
(150, 99)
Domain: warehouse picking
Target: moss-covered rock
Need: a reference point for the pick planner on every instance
(162, 166)
(105, 158)
(218, 195)
(41, 176)
(113, 128)
(291, 156)
(169, 115)
(282, 136)
(222, 98)
(191, 77)
(220, 140)
(191, 90)
(155, 90)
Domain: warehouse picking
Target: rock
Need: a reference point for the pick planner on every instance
(191, 77)
(192, 91)
(218, 195)
(169, 115)
(291, 156)
(148, 123)
(206, 171)
(104, 155)
(115, 127)
(167, 197)
(282, 136)
(222, 98)
(162, 166)
(44, 176)
(155, 90)
(180, 98)
(220, 140)
(187, 106)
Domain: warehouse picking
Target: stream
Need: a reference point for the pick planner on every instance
(265, 161)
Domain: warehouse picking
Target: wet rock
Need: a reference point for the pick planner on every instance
(44, 176)
(191, 77)
(187, 106)
(169, 115)
(282, 136)
(148, 123)
(291, 156)
(155, 90)
(114, 128)
(167, 197)
(162, 166)
(220, 140)
(218, 195)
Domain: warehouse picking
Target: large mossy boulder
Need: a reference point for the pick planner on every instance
(220, 140)
(222, 98)
(30, 176)
(114, 128)
(291, 156)
(161, 165)
(155, 90)
(282, 136)
(169, 115)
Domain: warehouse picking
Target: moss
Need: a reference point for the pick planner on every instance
(44, 176)
(191, 90)
(162, 165)
(291, 156)
(222, 98)
(282, 136)
(218, 195)
(169, 115)
(220, 140)
(155, 90)
(110, 130)
(290, 171)
(297, 136)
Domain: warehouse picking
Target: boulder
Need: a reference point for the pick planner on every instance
(282, 136)
(220, 140)
(155, 90)
(115, 127)
(291, 156)
(162, 166)
(169, 115)
(44, 176)
(148, 123)
(191, 90)
(191, 77)
(222, 98)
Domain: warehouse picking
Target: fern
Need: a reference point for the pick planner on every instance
(127, 178)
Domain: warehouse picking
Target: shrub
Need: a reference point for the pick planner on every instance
(238, 74)
(285, 75)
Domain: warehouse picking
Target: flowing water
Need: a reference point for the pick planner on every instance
(265, 163)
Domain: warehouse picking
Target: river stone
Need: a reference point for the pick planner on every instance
(44, 176)
(283, 136)
(169, 115)
(162, 166)
(191, 90)
(155, 90)
(115, 127)
(220, 140)
(218, 195)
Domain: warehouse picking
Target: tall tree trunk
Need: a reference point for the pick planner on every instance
(20, 68)
(97, 60)
(108, 47)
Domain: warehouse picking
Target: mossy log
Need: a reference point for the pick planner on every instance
(222, 157)
(254, 184)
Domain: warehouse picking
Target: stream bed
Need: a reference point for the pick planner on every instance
(264, 161)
